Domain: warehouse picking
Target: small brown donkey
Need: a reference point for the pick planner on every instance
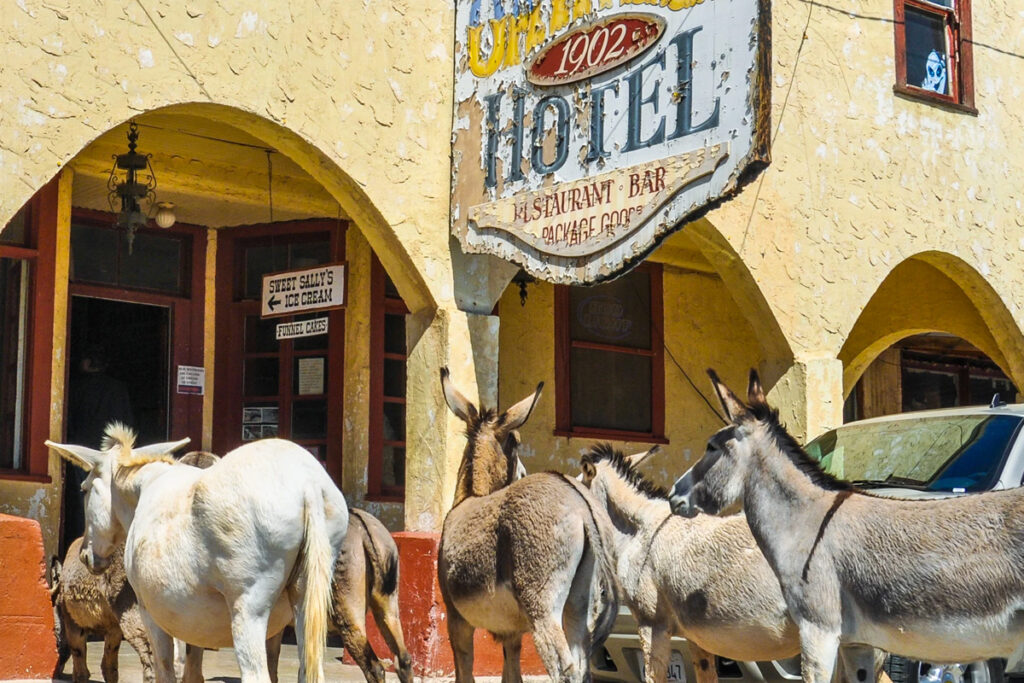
(530, 556)
(99, 604)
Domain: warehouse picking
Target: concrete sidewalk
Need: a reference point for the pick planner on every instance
(220, 665)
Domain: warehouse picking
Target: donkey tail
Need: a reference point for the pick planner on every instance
(317, 568)
(605, 586)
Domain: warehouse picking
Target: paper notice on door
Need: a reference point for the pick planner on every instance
(311, 376)
(191, 379)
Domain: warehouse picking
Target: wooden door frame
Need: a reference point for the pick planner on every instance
(228, 370)
(185, 414)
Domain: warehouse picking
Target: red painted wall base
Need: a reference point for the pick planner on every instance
(28, 648)
(424, 619)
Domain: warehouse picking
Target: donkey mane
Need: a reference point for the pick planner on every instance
(604, 452)
(121, 436)
(795, 452)
(486, 415)
(118, 434)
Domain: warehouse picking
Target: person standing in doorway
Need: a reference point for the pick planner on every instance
(95, 400)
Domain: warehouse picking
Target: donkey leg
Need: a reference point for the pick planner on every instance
(818, 648)
(192, 672)
(703, 662)
(111, 645)
(77, 642)
(655, 643)
(249, 633)
(857, 663)
(512, 647)
(578, 638)
(385, 613)
(135, 633)
(350, 620)
(163, 648)
(274, 654)
(460, 634)
(554, 651)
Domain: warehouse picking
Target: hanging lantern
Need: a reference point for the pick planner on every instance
(126, 194)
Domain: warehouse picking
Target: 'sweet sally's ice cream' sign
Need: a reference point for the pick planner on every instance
(586, 131)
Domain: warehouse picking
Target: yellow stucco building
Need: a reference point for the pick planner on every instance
(296, 134)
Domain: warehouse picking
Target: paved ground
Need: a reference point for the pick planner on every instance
(220, 666)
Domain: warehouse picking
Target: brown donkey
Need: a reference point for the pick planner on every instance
(523, 557)
(365, 575)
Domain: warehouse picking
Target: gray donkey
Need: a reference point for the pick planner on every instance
(701, 578)
(521, 557)
(861, 570)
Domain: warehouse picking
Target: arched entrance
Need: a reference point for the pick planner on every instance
(176, 325)
(934, 334)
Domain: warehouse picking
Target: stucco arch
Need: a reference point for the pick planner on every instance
(351, 197)
(933, 292)
(777, 354)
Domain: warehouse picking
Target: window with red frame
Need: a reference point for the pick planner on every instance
(26, 334)
(934, 59)
(387, 387)
(609, 358)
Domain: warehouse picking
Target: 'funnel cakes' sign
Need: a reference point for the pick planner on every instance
(586, 131)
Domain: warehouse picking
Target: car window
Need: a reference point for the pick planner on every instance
(957, 453)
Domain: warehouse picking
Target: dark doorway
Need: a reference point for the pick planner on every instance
(118, 370)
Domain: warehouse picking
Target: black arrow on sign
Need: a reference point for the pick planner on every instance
(273, 301)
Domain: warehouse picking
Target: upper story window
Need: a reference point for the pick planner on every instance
(609, 358)
(934, 58)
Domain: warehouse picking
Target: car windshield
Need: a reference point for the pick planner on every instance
(956, 453)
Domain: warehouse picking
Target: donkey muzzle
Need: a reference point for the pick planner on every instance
(681, 498)
(96, 565)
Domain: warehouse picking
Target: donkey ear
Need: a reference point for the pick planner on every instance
(163, 448)
(755, 392)
(520, 412)
(459, 404)
(637, 458)
(734, 408)
(80, 456)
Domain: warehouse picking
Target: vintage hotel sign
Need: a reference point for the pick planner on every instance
(588, 130)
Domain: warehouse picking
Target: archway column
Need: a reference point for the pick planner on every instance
(467, 344)
(809, 396)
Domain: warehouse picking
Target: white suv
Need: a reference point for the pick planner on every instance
(927, 454)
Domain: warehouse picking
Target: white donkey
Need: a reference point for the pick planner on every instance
(859, 570)
(217, 557)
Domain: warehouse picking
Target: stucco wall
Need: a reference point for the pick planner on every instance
(302, 76)
(862, 179)
(359, 95)
(703, 328)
